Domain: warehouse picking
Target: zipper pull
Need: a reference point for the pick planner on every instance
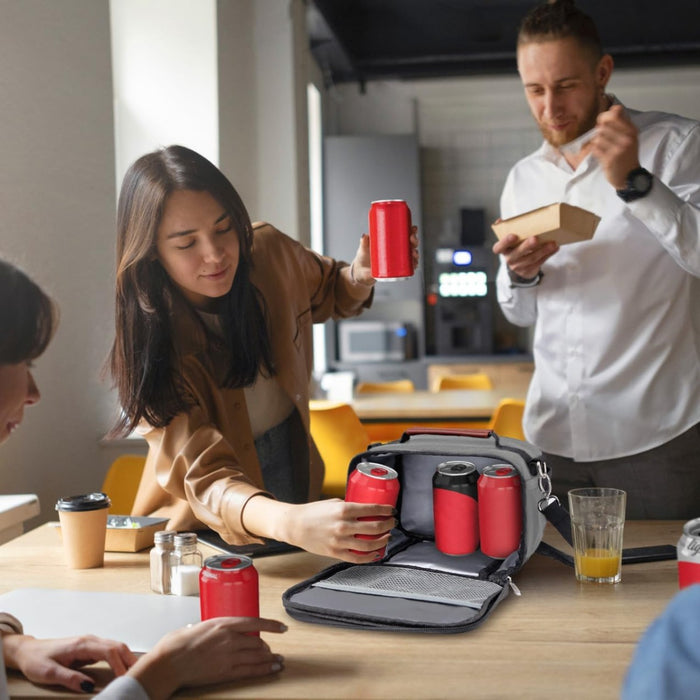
(513, 587)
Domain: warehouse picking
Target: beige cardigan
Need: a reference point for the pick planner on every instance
(202, 467)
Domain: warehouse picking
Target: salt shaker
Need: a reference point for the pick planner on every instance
(161, 556)
(186, 564)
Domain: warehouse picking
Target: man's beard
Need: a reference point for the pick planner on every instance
(559, 138)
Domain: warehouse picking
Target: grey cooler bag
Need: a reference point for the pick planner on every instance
(416, 587)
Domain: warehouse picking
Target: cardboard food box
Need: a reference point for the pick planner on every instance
(129, 533)
(560, 222)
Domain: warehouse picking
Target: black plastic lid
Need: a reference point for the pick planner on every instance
(85, 501)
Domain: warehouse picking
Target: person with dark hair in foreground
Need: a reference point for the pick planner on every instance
(213, 651)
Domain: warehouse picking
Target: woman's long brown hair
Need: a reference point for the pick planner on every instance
(143, 360)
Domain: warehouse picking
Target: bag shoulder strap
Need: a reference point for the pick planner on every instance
(561, 520)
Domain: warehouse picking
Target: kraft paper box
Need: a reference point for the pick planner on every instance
(122, 538)
(560, 222)
(129, 533)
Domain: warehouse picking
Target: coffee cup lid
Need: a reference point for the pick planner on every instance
(85, 501)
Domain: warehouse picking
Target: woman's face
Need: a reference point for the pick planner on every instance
(198, 247)
(17, 390)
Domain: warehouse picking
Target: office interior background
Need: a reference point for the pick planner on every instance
(89, 85)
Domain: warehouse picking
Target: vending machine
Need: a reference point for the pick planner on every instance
(461, 301)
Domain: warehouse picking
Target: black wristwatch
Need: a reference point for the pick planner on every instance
(638, 185)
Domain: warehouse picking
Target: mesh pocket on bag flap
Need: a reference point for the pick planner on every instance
(397, 582)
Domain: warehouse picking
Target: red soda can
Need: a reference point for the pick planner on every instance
(389, 234)
(372, 483)
(455, 509)
(500, 510)
(228, 586)
(689, 554)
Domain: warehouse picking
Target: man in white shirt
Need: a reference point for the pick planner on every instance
(615, 397)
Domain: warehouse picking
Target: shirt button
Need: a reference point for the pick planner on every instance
(298, 397)
(247, 446)
(237, 404)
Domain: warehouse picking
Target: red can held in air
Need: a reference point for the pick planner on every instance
(389, 239)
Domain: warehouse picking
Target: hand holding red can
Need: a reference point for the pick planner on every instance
(372, 483)
(390, 230)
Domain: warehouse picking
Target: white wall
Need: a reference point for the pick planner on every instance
(237, 88)
(56, 220)
(164, 61)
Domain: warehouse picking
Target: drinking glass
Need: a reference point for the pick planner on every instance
(597, 523)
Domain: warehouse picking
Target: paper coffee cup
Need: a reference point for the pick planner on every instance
(84, 529)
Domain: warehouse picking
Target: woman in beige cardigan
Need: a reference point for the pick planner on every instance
(213, 359)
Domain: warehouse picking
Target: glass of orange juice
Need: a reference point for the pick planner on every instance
(597, 523)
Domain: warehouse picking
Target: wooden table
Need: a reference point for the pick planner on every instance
(428, 406)
(387, 415)
(561, 639)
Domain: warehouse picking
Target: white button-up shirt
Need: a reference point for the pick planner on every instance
(617, 318)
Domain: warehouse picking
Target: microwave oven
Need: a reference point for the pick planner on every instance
(375, 341)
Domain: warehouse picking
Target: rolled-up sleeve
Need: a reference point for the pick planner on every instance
(194, 472)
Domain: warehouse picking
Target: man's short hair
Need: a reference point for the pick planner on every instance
(560, 19)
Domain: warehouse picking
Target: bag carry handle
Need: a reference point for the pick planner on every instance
(460, 432)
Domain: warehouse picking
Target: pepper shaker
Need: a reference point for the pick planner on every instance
(161, 564)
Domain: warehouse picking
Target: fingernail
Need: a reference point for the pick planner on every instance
(283, 627)
(279, 658)
(276, 667)
(87, 686)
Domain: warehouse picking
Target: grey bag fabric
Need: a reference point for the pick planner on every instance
(415, 587)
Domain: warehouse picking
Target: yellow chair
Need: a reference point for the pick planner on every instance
(400, 385)
(477, 380)
(122, 482)
(507, 419)
(339, 436)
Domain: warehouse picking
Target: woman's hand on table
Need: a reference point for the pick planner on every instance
(214, 651)
(55, 661)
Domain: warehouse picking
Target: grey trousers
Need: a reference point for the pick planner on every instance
(661, 484)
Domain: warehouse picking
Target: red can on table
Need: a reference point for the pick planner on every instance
(689, 554)
(372, 483)
(389, 239)
(500, 510)
(455, 510)
(228, 586)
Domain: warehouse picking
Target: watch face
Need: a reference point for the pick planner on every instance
(641, 182)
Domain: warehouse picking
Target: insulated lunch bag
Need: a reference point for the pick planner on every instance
(415, 586)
